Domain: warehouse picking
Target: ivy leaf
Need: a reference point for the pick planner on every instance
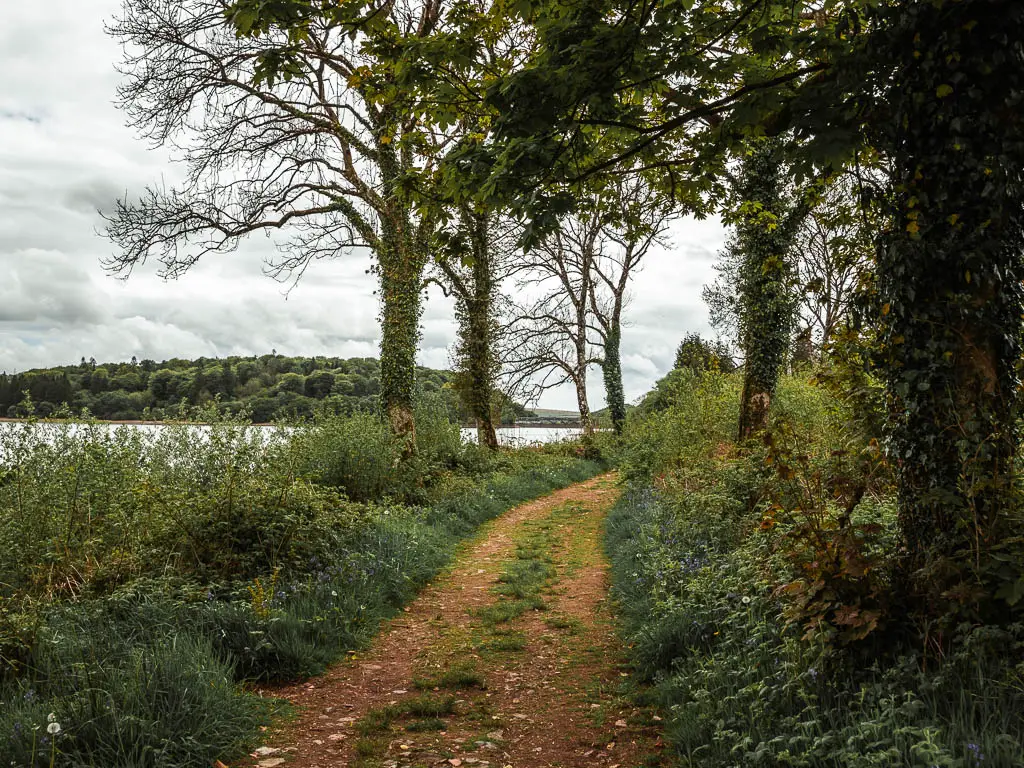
(943, 90)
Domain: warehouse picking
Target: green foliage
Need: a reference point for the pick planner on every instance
(748, 579)
(685, 415)
(190, 558)
(698, 355)
(160, 700)
(357, 454)
(264, 389)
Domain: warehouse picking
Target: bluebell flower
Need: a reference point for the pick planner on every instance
(975, 753)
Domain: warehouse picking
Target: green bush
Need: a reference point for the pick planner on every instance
(357, 454)
(713, 549)
(149, 573)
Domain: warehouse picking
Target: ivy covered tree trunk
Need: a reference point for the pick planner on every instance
(764, 235)
(611, 367)
(477, 330)
(950, 280)
(401, 262)
(479, 371)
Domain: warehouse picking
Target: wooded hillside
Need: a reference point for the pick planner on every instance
(267, 388)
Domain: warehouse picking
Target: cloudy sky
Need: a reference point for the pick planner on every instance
(65, 153)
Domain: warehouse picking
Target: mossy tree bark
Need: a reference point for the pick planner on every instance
(765, 227)
(472, 279)
(950, 278)
(402, 255)
(611, 367)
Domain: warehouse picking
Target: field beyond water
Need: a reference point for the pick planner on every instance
(145, 576)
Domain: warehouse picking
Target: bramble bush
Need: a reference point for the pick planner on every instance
(753, 579)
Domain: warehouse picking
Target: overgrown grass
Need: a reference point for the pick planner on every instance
(710, 561)
(144, 577)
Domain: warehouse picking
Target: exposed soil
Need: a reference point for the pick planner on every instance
(467, 676)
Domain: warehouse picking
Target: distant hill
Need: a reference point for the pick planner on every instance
(268, 387)
(548, 416)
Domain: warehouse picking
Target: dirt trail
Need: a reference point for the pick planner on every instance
(508, 659)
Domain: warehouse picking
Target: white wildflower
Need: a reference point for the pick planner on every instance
(53, 728)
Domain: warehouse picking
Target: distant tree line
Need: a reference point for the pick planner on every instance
(266, 388)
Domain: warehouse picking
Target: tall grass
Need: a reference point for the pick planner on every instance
(144, 575)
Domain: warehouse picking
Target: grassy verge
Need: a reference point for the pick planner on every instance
(157, 576)
(712, 565)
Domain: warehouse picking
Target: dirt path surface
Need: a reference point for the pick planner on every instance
(508, 659)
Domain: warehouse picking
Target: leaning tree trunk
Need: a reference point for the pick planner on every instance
(611, 367)
(401, 276)
(950, 278)
(767, 309)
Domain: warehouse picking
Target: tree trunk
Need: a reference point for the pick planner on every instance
(479, 365)
(950, 277)
(477, 327)
(586, 422)
(401, 277)
(755, 404)
(767, 306)
(611, 367)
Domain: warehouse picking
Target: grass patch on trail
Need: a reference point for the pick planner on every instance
(430, 724)
(382, 719)
(455, 678)
(413, 715)
(505, 642)
(530, 571)
(559, 621)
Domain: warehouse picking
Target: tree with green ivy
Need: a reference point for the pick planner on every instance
(439, 58)
(634, 218)
(301, 130)
(759, 296)
(947, 112)
(473, 257)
